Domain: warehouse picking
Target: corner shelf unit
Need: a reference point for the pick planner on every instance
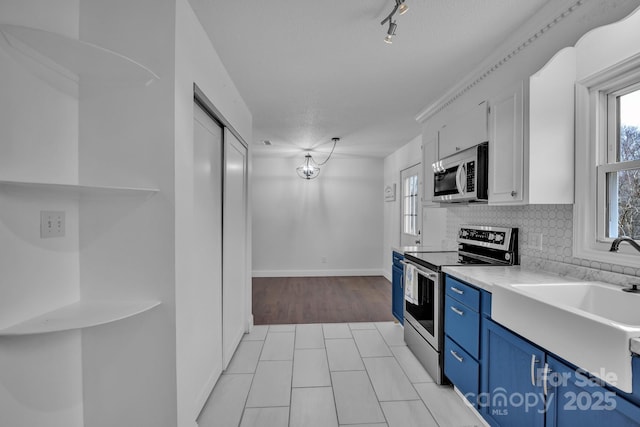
(74, 58)
(84, 313)
(79, 315)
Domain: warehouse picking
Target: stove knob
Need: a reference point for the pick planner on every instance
(507, 256)
(492, 236)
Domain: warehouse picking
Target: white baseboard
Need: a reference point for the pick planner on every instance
(317, 273)
(387, 275)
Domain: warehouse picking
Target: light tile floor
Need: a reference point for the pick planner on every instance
(330, 375)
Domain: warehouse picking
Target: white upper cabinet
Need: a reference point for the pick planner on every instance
(464, 132)
(506, 142)
(429, 157)
(531, 137)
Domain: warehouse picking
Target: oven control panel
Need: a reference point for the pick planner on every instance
(486, 236)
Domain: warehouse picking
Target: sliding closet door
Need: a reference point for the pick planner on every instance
(206, 291)
(235, 244)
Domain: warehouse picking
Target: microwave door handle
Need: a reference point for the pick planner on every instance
(460, 183)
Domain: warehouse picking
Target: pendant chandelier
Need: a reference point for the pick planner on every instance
(310, 169)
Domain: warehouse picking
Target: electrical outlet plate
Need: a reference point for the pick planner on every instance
(52, 224)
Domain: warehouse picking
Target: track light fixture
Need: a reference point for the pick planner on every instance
(310, 169)
(401, 8)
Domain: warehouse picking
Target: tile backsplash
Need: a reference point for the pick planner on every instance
(553, 222)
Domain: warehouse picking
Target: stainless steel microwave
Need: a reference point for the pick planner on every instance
(462, 177)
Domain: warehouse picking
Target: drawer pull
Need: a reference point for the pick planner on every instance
(533, 369)
(458, 358)
(457, 291)
(456, 311)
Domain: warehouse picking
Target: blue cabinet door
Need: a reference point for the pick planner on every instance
(397, 287)
(511, 392)
(575, 400)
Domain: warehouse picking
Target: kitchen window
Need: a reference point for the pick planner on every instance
(619, 176)
(608, 164)
(410, 205)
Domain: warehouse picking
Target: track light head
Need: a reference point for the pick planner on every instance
(402, 8)
(390, 32)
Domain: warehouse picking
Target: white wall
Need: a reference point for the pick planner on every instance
(337, 216)
(196, 62)
(137, 371)
(40, 377)
(127, 244)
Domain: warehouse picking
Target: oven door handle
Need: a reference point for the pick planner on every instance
(432, 276)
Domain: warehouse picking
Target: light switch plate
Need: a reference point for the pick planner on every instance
(52, 224)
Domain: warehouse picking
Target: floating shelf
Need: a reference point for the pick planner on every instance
(79, 315)
(76, 189)
(75, 58)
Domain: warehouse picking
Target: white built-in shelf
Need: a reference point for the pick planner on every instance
(72, 189)
(79, 315)
(74, 58)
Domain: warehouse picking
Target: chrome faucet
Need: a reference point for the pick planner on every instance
(614, 248)
(616, 243)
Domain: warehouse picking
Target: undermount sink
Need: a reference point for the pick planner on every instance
(589, 324)
(599, 299)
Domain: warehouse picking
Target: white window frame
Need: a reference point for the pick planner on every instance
(589, 213)
(414, 200)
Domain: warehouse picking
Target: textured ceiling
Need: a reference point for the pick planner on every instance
(310, 70)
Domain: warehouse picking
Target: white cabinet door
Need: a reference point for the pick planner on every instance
(429, 156)
(531, 137)
(464, 132)
(506, 142)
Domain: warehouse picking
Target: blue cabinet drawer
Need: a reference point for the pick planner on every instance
(464, 293)
(461, 369)
(397, 259)
(462, 325)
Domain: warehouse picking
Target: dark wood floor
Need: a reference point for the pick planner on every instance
(289, 300)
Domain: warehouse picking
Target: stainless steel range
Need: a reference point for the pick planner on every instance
(424, 293)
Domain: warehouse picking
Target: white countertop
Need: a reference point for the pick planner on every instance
(445, 246)
(487, 277)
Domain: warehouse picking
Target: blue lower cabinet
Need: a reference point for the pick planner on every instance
(397, 287)
(576, 400)
(512, 393)
(514, 383)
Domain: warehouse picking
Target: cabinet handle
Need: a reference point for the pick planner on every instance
(456, 290)
(457, 148)
(458, 358)
(513, 193)
(456, 311)
(545, 379)
(533, 369)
